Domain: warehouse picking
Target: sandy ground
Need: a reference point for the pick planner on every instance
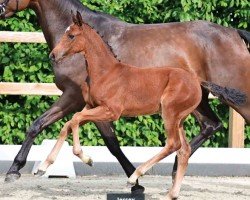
(96, 187)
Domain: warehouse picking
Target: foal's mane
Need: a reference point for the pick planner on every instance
(106, 44)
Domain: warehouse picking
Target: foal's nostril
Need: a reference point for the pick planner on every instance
(52, 56)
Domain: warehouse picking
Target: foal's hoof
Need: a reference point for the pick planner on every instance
(11, 177)
(170, 197)
(130, 184)
(87, 160)
(39, 173)
(90, 162)
(137, 189)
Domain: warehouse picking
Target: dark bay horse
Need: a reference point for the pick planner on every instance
(113, 89)
(69, 81)
(215, 53)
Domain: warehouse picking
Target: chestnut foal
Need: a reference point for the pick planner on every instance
(114, 89)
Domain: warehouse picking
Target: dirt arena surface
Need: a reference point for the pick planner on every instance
(96, 187)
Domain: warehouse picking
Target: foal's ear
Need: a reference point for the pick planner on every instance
(79, 19)
(74, 19)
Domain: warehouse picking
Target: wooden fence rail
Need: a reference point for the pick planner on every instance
(29, 89)
(23, 37)
(236, 122)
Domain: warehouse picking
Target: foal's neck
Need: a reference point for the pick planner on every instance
(99, 56)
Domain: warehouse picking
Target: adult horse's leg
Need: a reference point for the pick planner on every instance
(61, 108)
(112, 143)
(58, 110)
(208, 122)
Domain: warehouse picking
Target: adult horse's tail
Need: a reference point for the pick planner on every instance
(245, 35)
(226, 94)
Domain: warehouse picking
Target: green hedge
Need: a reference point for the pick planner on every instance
(29, 63)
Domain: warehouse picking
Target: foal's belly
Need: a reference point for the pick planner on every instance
(141, 110)
(144, 101)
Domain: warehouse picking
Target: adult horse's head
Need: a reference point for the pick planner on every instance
(72, 41)
(10, 7)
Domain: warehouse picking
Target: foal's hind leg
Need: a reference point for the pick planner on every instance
(183, 155)
(175, 108)
(208, 122)
(173, 142)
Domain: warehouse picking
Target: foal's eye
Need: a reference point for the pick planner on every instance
(71, 37)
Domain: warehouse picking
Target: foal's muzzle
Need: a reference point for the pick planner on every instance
(56, 56)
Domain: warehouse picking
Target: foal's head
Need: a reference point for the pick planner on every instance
(73, 41)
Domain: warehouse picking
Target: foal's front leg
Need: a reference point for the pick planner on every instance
(101, 113)
(54, 152)
(66, 130)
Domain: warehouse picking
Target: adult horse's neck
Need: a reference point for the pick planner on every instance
(55, 16)
(98, 55)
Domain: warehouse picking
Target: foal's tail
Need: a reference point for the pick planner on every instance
(229, 95)
(245, 35)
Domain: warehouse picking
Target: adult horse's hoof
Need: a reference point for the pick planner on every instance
(11, 177)
(39, 173)
(137, 189)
